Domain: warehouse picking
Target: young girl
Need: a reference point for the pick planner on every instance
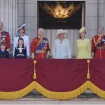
(20, 50)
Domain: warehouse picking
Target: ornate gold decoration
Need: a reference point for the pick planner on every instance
(34, 76)
(60, 12)
(88, 74)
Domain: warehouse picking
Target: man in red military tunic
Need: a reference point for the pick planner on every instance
(40, 46)
(4, 37)
(98, 44)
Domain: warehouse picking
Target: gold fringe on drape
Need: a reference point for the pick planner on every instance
(51, 94)
(96, 90)
(17, 94)
(43, 91)
(61, 95)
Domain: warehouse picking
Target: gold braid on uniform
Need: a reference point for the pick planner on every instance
(96, 42)
(40, 41)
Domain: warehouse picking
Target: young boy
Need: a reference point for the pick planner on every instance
(3, 52)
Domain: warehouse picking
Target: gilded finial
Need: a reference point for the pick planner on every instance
(35, 61)
(88, 61)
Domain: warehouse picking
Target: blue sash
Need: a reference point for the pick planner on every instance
(3, 35)
(42, 45)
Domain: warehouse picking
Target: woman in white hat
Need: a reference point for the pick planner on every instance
(61, 46)
(21, 34)
(83, 46)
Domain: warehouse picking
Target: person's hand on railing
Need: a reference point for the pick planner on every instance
(32, 56)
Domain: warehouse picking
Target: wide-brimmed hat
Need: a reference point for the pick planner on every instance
(61, 31)
(21, 26)
(82, 29)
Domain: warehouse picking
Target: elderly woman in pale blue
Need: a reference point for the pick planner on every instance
(61, 48)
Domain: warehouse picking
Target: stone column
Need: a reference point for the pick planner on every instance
(91, 18)
(8, 15)
(21, 12)
(101, 13)
(31, 18)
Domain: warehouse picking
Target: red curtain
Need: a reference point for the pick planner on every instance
(15, 74)
(97, 72)
(61, 75)
(64, 79)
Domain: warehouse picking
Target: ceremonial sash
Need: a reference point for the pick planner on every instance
(41, 44)
(3, 36)
(40, 41)
(97, 42)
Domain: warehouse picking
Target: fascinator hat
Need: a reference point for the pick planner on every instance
(21, 26)
(82, 30)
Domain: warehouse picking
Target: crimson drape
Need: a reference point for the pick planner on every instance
(53, 75)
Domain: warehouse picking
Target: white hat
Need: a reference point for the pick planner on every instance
(61, 31)
(22, 25)
(82, 29)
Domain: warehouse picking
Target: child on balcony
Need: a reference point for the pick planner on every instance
(20, 50)
(3, 52)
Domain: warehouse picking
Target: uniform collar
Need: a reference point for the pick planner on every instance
(2, 50)
(101, 35)
(40, 37)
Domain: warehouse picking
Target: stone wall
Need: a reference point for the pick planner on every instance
(8, 15)
(101, 13)
(95, 17)
(27, 11)
(21, 12)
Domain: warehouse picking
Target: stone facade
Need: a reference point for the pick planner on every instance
(95, 16)
(26, 12)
